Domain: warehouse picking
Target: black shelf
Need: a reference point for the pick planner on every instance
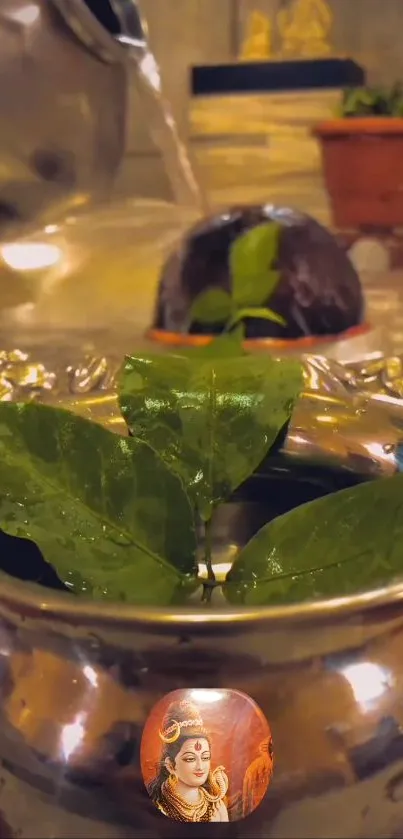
(259, 76)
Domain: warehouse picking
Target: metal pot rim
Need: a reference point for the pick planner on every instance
(30, 601)
(90, 31)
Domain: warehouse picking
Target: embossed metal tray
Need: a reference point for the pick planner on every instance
(76, 297)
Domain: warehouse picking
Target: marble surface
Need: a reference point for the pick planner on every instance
(260, 148)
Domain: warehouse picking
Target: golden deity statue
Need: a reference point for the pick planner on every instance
(304, 29)
(257, 43)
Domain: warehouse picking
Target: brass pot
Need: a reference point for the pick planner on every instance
(78, 681)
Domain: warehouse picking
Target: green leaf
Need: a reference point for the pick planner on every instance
(251, 265)
(228, 345)
(104, 510)
(347, 542)
(211, 419)
(362, 101)
(259, 314)
(211, 306)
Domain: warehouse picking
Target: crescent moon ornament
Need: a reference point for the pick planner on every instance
(177, 730)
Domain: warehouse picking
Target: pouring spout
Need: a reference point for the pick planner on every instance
(116, 33)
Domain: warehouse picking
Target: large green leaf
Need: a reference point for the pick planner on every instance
(252, 257)
(212, 419)
(104, 510)
(341, 544)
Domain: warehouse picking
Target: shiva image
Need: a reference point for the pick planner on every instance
(195, 766)
(186, 787)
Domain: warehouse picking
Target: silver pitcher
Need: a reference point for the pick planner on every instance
(63, 112)
(64, 69)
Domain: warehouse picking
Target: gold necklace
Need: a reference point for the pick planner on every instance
(176, 805)
(188, 812)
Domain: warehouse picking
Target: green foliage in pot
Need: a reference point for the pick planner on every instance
(372, 101)
(90, 500)
(252, 261)
(346, 542)
(116, 516)
(211, 418)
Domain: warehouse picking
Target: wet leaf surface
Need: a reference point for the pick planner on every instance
(105, 511)
(341, 544)
(211, 306)
(212, 419)
(252, 257)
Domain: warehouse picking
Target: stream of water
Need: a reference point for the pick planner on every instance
(157, 110)
(185, 187)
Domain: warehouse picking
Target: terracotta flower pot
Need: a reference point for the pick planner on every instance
(363, 169)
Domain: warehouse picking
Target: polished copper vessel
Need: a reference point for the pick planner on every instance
(80, 679)
(78, 682)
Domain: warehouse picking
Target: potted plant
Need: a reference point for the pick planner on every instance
(362, 153)
(291, 622)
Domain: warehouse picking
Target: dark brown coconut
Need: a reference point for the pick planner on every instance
(319, 291)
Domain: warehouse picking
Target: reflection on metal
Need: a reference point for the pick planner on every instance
(305, 27)
(77, 680)
(257, 45)
(91, 31)
(347, 419)
(35, 256)
(368, 681)
(65, 340)
(63, 127)
(130, 43)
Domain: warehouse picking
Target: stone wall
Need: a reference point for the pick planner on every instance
(182, 33)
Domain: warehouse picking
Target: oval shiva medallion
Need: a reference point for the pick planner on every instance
(191, 761)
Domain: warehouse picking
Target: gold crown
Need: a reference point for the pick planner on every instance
(174, 731)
